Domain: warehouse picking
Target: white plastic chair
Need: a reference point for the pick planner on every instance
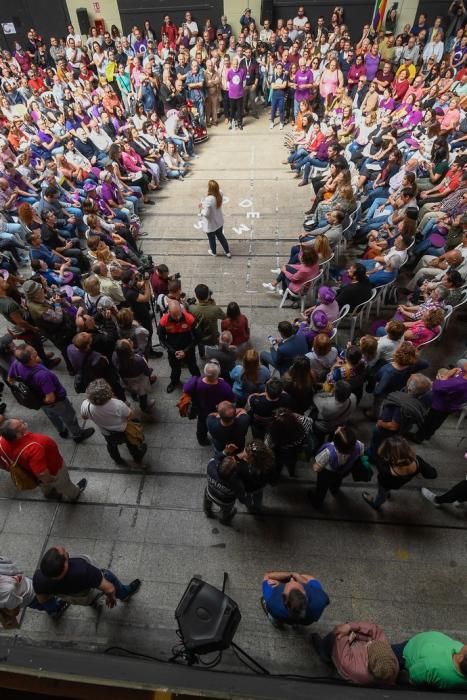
(343, 313)
(325, 266)
(383, 294)
(361, 312)
(456, 306)
(462, 415)
(447, 315)
(429, 342)
(305, 289)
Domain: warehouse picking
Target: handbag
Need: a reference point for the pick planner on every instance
(22, 479)
(8, 618)
(134, 433)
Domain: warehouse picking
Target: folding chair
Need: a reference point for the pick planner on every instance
(305, 289)
(359, 313)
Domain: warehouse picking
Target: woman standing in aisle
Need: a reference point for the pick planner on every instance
(212, 218)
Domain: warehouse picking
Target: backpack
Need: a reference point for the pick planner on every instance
(22, 479)
(81, 381)
(91, 306)
(26, 395)
(345, 468)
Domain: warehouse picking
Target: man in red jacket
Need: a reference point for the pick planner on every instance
(39, 456)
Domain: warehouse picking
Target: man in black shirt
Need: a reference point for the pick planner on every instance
(251, 67)
(61, 245)
(76, 577)
(261, 407)
(358, 291)
(228, 426)
(138, 292)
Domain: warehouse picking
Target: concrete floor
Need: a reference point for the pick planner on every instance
(404, 568)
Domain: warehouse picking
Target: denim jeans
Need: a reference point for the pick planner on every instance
(121, 590)
(51, 606)
(312, 163)
(373, 206)
(219, 234)
(278, 104)
(398, 650)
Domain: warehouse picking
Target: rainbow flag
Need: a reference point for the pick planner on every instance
(379, 14)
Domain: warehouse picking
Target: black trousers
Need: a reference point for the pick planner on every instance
(457, 493)
(201, 427)
(219, 234)
(176, 365)
(226, 104)
(327, 481)
(236, 110)
(225, 509)
(434, 420)
(115, 439)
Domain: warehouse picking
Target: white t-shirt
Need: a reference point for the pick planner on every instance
(323, 458)
(395, 258)
(387, 348)
(193, 27)
(15, 593)
(111, 417)
(300, 21)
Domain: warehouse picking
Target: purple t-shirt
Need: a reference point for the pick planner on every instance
(372, 65)
(207, 396)
(235, 79)
(449, 394)
(303, 77)
(39, 378)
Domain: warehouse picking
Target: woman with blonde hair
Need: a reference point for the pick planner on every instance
(249, 378)
(212, 218)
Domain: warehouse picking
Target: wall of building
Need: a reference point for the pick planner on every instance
(234, 10)
(407, 11)
(106, 10)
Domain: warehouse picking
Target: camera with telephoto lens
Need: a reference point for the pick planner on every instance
(146, 267)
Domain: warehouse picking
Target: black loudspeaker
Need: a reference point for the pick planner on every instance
(83, 20)
(207, 618)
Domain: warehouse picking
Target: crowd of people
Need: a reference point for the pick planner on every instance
(90, 128)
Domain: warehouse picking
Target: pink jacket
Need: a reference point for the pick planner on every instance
(351, 659)
(303, 274)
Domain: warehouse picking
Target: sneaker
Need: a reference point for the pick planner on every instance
(82, 483)
(172, 386)
(271, 125)
(134, 587)
(227, 255)
(430, 496)
(64, 605)
(276, 270)
(229, 518)
(85, 434)
(156, 353)
(281, 126)
(210, 252)
(270, 287)
(204, 442)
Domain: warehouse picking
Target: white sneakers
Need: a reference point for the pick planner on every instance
(281, 126)
(276, 271)
(270, 287)
(227, 255)
(271, 125)
(430, 496)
